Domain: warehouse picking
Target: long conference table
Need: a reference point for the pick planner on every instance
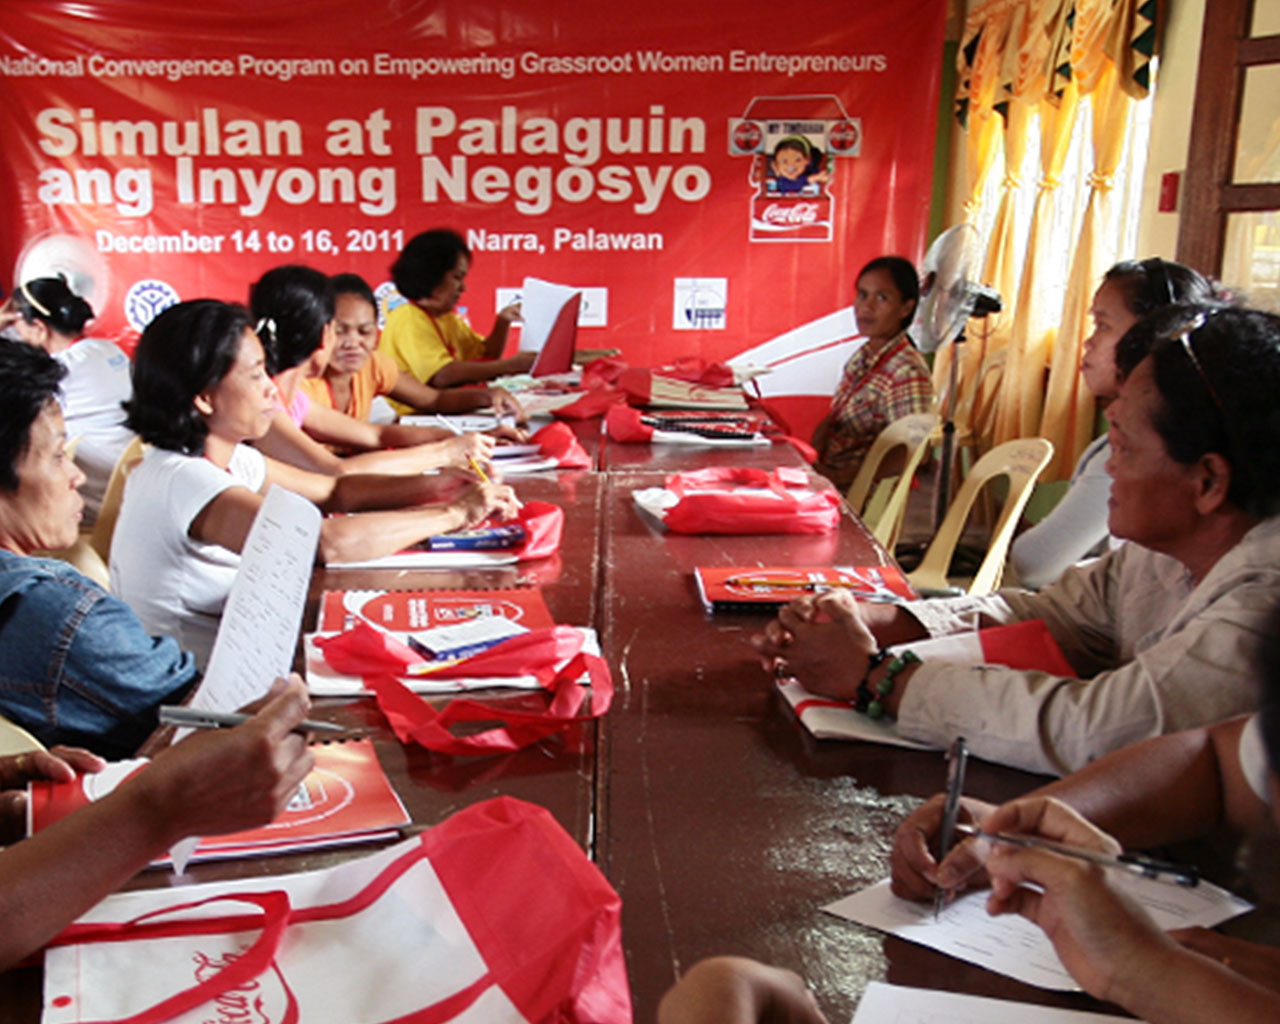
(723, 825)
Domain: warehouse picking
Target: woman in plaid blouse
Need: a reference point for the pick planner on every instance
(884, 380)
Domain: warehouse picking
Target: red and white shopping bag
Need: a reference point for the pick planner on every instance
(495, 915)
(746, 500)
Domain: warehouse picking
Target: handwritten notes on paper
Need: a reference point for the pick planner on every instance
(903, 1005)
(1014, 946)
(263, 614)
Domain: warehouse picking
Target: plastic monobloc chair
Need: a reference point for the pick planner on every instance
(99, 538)
(16, 740)
(1021, 461)
(912, 433)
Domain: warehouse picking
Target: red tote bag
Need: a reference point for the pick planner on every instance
(745, 500)
(495, 913)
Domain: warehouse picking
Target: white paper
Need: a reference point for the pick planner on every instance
(839, 721)
(412, 558)
(263, 614)
(540, 305)
(1011, 944)
(900, 1005)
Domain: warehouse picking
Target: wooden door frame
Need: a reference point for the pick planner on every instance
(1226, 50)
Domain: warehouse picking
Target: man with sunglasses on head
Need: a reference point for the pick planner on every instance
(1161, 631)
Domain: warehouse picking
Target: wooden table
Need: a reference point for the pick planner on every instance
(721, 823)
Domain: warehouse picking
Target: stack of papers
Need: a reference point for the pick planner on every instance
(1012, 945)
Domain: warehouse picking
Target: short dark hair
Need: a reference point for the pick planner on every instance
(423, 263)
(1226, 402)
(905, 279)
(291, 306)
(49, 299)
(29, 381)
(183, 352)
(1151, 284)
(353, 284)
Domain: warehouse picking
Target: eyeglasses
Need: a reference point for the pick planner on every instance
(1184, 339)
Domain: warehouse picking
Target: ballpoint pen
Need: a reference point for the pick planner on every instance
(1134, 863)
(191, 718)
(956, 758)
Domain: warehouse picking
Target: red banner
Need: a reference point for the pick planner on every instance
(711, 174)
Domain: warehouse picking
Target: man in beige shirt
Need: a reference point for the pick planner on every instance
(1161, 632)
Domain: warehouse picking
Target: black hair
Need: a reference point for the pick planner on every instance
(51, 301)
(184, 351)
(424, 262)
(291, 306)
(353, 284)
(904, 277)
(1151, 284)
(1226, 401)
(29, 381)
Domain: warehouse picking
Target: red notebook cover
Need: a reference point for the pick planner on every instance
(346, 798)
(766, 587)
(407, 611)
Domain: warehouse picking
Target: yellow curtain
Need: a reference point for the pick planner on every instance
(978, 65)
(1031, 338)
(1051, 53)
(1069, 413)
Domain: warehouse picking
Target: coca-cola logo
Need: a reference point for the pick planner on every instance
(250, 1003)
(799, 214)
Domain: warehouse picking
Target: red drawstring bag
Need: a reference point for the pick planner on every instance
(593, 403)
(697, 370)
(554, 656)
(623, 424)
(543, 525)
(604, 370)
(746, 499)
(557, 441)
(493, 914)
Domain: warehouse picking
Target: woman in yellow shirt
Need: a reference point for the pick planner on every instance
(425, 336)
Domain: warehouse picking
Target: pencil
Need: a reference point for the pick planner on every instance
(476, 466)
(1134, 863)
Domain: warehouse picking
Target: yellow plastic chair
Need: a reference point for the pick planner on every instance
(16, 740)
(99, 538)
(883, 516)
(1021, 461)
(82, 556)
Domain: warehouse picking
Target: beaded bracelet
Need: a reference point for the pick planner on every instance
(871, 703)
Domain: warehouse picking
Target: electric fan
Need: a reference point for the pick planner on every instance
(949, 297)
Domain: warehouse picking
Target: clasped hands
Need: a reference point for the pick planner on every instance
(822, 640)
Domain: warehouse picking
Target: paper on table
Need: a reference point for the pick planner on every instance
(263, 614)
(836, 720)
(883, 1002)
(1012, 945)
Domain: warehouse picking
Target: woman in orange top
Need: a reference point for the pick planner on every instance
(357, 373)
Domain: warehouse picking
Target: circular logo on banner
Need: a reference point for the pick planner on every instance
(146, 300)
(747, 136)
(844, 136)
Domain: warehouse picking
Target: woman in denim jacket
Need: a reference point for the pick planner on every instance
(76, 666)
